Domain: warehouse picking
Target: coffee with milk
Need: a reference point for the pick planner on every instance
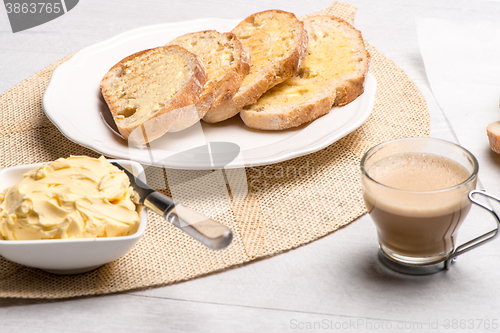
(418, 201)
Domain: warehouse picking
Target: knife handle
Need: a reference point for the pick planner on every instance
(210, 233)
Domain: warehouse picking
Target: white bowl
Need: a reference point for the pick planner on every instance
(68, 256)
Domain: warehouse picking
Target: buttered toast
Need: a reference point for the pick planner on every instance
(226, 62)
(493, 132)
(332, 73)
(149, 91)
(277, 42)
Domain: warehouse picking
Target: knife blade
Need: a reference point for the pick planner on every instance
(210, 233)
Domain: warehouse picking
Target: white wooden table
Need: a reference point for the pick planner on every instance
(333, 284)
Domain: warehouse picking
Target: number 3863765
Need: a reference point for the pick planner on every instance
(39, 7)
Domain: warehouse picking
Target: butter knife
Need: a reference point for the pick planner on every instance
(210, 233)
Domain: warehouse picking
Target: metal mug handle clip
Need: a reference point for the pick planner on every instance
(472, 244)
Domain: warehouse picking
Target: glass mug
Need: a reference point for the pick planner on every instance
(418, 192)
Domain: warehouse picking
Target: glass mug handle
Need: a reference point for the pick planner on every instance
(481, 239)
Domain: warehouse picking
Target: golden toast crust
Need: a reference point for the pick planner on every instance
(226, 61)
(493, 132)
(277, 43)
(144, 104)
(332, 73)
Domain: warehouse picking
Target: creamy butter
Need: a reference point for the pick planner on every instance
(77, 197)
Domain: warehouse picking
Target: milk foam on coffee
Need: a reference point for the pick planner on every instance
(414, 214)
(418, 172)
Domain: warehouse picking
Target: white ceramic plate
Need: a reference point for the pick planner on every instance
(68, 256)
(73, 103)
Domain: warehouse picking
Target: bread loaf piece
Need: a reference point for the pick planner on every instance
(493, 132)
(226, 62)
(332, 73)
(151, 90)
(277, 42)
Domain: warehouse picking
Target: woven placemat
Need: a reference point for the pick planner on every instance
(288, 204)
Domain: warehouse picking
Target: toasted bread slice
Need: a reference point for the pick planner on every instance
(493, 132)
(277, 42)
(226, 61)
(149, 91)
(332, 73)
